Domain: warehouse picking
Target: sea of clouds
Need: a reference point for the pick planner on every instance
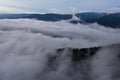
(61, 34)
(26, 44)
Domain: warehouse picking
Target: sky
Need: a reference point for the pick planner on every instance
(58, 6)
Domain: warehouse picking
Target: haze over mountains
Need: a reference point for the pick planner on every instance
(40, 50)
(108, 20)
(59, 39)
(59, 47)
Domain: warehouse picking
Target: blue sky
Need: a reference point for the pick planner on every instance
(63, 6)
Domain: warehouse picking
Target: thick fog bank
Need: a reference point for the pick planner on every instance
(26, 48)
(61, 34)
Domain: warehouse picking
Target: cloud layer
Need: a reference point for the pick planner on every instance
(68, 35)
(25, 46)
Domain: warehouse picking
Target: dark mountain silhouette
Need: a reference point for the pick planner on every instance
(90, 15)
(109, 20)
(53, 17)
(44, 17)
(78, 55)
(13, 16)
(81, 54)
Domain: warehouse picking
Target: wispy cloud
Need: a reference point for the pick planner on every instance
(57, 5)
(114, 10)
(5, 9)
(64, 11)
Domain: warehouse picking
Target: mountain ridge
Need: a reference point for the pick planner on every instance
(109, 20)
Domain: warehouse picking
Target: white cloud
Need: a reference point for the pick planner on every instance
(69, 10)
(105, 63)
(61, 11)
(114, 10)
(5, 9)
(91, 33)
(26, 45)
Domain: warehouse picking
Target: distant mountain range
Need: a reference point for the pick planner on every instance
(109, 20)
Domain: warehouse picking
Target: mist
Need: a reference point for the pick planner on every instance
(62, 33)
(27, 44)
